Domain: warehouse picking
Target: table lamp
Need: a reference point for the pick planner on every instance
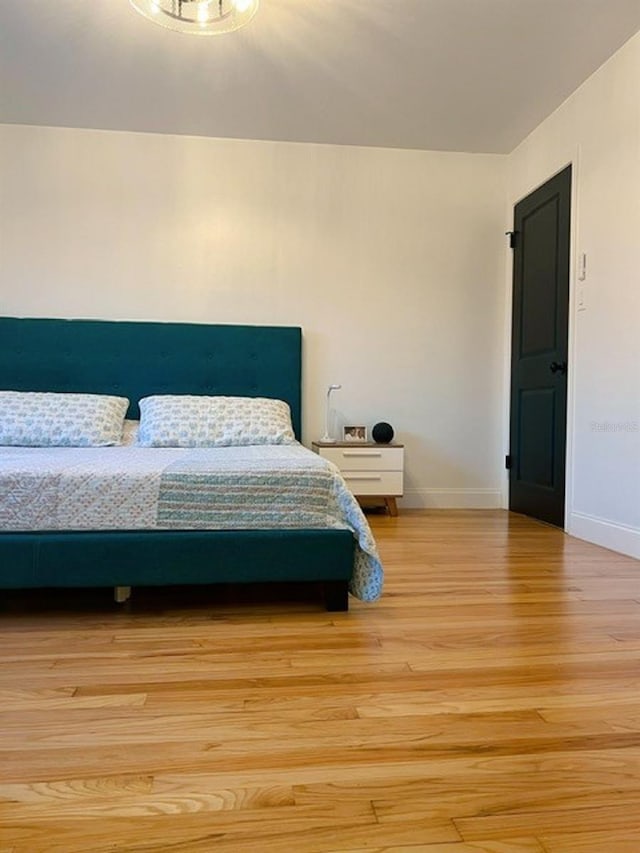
(327, 437)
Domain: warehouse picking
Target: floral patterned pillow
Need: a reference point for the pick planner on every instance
(43, 419)
(191, 421)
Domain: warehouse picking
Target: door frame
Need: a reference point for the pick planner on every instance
(533, 184)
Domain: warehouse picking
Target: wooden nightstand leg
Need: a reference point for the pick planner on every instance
(392, 506)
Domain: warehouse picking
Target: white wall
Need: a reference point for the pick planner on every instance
(598, 129)
(392, 261)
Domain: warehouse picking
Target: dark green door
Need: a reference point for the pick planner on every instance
(539, 351)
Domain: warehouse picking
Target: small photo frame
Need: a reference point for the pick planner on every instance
(354, 433)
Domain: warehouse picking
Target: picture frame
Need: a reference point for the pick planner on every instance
(354, 433)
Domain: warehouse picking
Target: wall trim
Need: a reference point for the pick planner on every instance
(609, 534)
(452, 499)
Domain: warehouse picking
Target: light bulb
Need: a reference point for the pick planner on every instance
(203, 17)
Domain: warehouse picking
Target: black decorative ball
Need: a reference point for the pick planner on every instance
(382, 433)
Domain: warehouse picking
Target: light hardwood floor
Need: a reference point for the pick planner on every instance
(489, 702)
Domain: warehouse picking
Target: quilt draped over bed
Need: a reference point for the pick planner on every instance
(133, 488)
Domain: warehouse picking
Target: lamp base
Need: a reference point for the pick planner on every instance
(326, 439)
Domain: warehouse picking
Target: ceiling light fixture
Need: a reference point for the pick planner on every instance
(200, 17)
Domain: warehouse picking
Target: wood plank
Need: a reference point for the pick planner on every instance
(619, 814)
(513, 845)
(615, 840)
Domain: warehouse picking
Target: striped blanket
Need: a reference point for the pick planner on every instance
(135, 488)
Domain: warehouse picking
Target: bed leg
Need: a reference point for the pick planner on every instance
(121, 594)
(336, 595)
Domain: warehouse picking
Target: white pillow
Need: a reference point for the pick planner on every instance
(42, 419)
(190, 421)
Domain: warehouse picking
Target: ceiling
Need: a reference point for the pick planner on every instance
(458, 75)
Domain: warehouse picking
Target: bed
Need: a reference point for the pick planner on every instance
(138, 359)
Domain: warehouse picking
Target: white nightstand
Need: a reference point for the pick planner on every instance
(370, 470)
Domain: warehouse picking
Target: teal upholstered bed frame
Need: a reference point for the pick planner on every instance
(133, 360)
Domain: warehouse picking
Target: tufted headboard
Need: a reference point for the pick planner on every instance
(135, 359)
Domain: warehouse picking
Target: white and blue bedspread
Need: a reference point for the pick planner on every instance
(136, 488)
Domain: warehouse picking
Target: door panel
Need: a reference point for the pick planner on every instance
(539, 281)
(537, 428)
(539, 351)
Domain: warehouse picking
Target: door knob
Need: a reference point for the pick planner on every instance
(558, 367)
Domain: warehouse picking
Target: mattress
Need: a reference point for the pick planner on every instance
(135, 488)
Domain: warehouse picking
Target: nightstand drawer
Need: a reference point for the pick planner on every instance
(365, 458)
(374, 482)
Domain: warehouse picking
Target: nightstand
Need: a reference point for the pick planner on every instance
(370, 470)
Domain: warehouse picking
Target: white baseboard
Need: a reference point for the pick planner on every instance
(618, 537)
(452, 499)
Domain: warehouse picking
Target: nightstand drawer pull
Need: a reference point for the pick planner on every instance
(362, 476)
(374, 482)
(374, 459)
